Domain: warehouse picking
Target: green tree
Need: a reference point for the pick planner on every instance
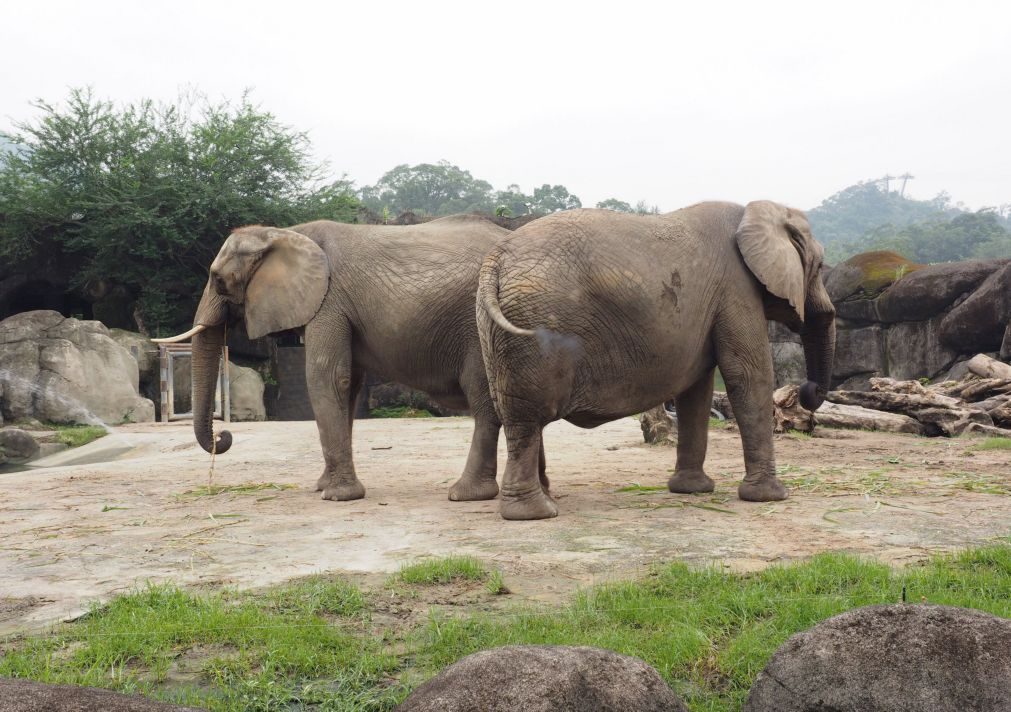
(619, 206)
(514, 200)
(854, 211)
(552, 198)
(430, 189)
(143, 195)
(967, 235)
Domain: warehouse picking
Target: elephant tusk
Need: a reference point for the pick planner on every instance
(181, 337)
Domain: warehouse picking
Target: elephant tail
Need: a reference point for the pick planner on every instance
(487, 297)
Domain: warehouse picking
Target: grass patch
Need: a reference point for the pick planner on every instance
(78, 435)
(312, 644)
(222, 651)
(399, 411)
(446, 570)
(993, 444)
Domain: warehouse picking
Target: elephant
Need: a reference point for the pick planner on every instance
(593, 315)
(396, 301)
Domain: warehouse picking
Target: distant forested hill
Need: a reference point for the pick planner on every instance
(866, 216)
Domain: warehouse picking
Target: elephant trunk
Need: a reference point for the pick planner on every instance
(207, 345)
(818, 337)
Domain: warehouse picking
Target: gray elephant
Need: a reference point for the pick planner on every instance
(592, 315)
(394, 301)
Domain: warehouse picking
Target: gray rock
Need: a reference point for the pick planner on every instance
(67, 371)
(18, 444)
(31, 696)
(915, 350)
(246, 393)
(894, 658)
(788, 363)
(929, 291)
(859, 351)
(143, 350)
(1005, 346)
(544, 678)
(979, 323)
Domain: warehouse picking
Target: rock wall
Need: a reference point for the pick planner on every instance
(907, 321)
(64, 370)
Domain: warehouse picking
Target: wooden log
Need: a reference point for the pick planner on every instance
(857, 418)
(789, 414)
(894, 402)
(983, 365)
(984, 388)
(658, 428)
(988, 430)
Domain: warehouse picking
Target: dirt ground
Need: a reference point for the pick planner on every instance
(77, 533)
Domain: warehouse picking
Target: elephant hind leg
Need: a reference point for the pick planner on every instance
(478, 479)
(693, 407)
(523, 495)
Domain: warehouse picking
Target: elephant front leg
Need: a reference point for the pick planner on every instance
(746, 364)
(333, 388)
(693, 407)
(524, 495)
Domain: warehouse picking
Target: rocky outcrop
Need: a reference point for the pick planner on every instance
(64, 370)
(544, 678)
(17, 444)
(893, 657)
(908, 321)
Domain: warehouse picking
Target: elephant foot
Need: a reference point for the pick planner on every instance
(537, 505)
(344, 490)
(323, 482)
(768, 489)
(690, 482)
(472, 489)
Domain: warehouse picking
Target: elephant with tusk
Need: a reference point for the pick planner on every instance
(592, 315)
(395, 301)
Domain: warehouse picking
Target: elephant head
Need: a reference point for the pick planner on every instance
(277, 279)
(779, 249)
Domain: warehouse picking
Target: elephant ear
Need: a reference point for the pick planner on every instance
(771, 240)
(289, 285)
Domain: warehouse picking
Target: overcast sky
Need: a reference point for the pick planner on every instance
(659, 101)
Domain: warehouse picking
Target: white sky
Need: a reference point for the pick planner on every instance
(661, 101)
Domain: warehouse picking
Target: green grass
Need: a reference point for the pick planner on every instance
(77, 435)
(993, 444)
(399, 411)
(313, 644)
(446, 570)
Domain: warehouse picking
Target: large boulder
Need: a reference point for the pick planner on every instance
(866, 275)
(978, 324)
(31, 696)
(67, 371)
(915, 350)
(892, 658)
(928, 291)
(245, 388)
(17, 444)
(859, 351)
(545, 678)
